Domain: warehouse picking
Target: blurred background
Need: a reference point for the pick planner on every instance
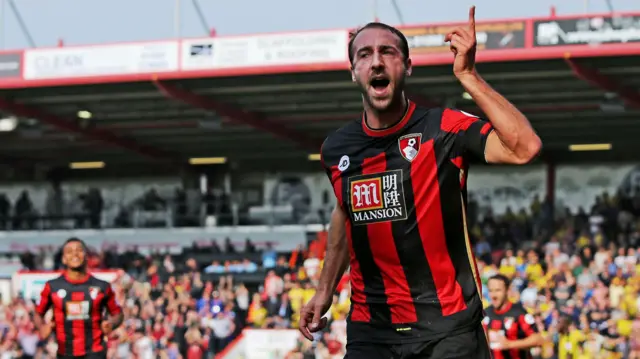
(180, 140)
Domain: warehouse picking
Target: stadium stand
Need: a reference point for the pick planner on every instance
(582, 285)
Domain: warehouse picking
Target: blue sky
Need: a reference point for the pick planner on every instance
(81, 22)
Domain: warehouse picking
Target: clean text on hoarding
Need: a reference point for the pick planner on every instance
(101, 60)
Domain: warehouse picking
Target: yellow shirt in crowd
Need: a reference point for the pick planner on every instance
(296, 296)
(570, 345)
(308, 294)
(534, 271)
(508, 270)
(257, 316)
(583, 241)
(339, 308)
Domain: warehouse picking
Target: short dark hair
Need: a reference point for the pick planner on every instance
(404, 44)
(503, 278)
(75, 240)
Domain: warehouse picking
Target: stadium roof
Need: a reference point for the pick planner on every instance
(267, 101)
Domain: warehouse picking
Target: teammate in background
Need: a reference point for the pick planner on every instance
(399, 175)
(79, 301)
(512, 331)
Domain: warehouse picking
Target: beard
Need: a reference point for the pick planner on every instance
(78, 268)
(389, 103)
(500, 302)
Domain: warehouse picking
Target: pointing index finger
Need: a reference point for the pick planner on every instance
(472, 18)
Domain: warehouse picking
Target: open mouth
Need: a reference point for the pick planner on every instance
(379, 84)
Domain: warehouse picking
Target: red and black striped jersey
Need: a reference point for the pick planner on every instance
(413, 274)
(512, 323)
(78, 312)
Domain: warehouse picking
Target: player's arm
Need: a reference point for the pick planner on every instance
(115, 311)
(337, 255)
(335, 263)
(513, 140)
(527, 329)
(41, 310)
(534, 340)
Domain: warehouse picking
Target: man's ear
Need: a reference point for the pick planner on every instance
(409, 67)
(353, 74)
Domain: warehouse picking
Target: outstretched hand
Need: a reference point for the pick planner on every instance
(462, 42)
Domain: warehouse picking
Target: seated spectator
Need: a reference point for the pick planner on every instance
(248, 266)
(269, 257)
(214, 267)
(235, 266)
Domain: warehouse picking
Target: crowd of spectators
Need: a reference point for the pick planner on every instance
(578, 274)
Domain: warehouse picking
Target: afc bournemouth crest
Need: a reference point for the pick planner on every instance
(410, 146)
(508, 322)
(93, 292)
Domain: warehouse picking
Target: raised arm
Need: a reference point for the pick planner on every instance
(513, 140)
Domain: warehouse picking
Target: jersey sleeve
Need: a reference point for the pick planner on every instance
(464, 134)
(112, 304)
(526, 325)
(333, 167)
(324, 160)
(486, 321)
(45, 300)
